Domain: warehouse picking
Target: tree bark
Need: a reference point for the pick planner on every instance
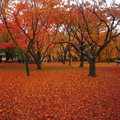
(92, 68)
(38, 63)
(0, 58)
(64, 57)
(27, 65)
(81, 64)
(81, 60)
(49, 58)
(70, 56)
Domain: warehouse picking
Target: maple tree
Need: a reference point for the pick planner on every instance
(40, 23)
(117, 44)
(7, 19)
(6, 45)
(94, 35)
(37, 27)
(64, 51)
(37, 30)
(109, 54)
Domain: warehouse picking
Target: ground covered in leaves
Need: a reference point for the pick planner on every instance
(61, 94)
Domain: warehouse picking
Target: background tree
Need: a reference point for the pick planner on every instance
(7, 18)
(7, 46)
(32, 20)
(96, 31)
(37, 26)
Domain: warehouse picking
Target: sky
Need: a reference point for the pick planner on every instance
(108, 1)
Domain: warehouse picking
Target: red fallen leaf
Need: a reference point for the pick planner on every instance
(69, 94)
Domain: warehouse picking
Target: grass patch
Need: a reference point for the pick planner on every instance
(43, 68)
(60, 68)
(15, 67)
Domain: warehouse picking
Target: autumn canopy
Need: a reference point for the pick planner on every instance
(60, 30)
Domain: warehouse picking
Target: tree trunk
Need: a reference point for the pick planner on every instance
(81, 60)
(81, 64)
(70, 56)
(27, 65)
(108, 59)
(92, 68)
(64, 57)
(49, 58)
(7, 56)
(37, 58)
(38, 63)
